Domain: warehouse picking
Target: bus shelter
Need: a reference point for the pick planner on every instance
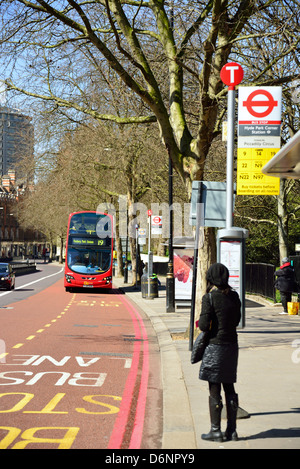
(286, 162)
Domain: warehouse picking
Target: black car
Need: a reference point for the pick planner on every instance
(7, 276)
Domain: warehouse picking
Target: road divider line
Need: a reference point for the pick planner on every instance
(30, 337)
(40, 279)
(31, 283)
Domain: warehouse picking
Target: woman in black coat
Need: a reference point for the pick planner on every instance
(221, 314)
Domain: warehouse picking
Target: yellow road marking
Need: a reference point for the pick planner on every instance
(30, 337)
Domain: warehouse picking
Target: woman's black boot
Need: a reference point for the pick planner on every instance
(231, 407)
(215, 409)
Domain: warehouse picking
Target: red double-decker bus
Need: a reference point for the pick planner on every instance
(89, 251)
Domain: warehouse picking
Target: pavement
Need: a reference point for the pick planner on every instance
(268, 381)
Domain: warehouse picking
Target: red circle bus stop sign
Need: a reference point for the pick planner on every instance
(231, 74)
(262, 106)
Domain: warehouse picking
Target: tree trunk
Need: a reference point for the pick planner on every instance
(61, 249)
(118, 248)
(206, 256)
(132, 238)
(282, 223)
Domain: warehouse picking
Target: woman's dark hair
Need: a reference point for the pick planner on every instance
(218, 275)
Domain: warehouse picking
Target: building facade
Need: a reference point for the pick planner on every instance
(16, 142)
(16, 160)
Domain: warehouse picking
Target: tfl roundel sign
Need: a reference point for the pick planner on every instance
(232, 74)
(260, 103)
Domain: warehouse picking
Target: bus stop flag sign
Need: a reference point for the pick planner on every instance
(259, 123)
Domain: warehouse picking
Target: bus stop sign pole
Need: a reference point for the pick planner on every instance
(232, 237)
(231, 75)
(231, 241)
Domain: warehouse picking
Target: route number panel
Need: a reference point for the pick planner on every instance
(250, 179)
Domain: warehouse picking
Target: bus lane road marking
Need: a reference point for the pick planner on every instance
(92, 403)
(118, 433)
(63, 437)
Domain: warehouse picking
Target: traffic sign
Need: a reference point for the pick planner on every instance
(156, 224)
(259, 105)
(259, 122)
(142, 236)
(231, 74)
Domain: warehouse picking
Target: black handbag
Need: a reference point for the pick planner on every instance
(199, 347)
(200, 344)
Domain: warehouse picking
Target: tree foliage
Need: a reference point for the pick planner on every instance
(165, 57)
(163, 53)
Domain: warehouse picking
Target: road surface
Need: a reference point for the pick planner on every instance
(77, 370)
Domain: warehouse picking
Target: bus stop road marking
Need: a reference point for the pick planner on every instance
(84, 325)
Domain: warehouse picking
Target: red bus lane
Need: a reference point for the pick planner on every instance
(74, 372)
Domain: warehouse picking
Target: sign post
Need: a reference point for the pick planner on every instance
(231, 240)
(136, 254)
(231, 75)
(150, 255)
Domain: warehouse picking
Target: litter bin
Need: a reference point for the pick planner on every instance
(145, 286)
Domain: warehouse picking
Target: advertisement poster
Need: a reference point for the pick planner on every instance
(183, 273)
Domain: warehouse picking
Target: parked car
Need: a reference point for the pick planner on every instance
(7, 276)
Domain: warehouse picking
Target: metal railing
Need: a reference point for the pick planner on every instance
(260, 280)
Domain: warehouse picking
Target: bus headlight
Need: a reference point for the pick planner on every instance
(69, 278)
(107, 279)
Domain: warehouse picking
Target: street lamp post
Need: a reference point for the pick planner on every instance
(170, 281)
(136, 254)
